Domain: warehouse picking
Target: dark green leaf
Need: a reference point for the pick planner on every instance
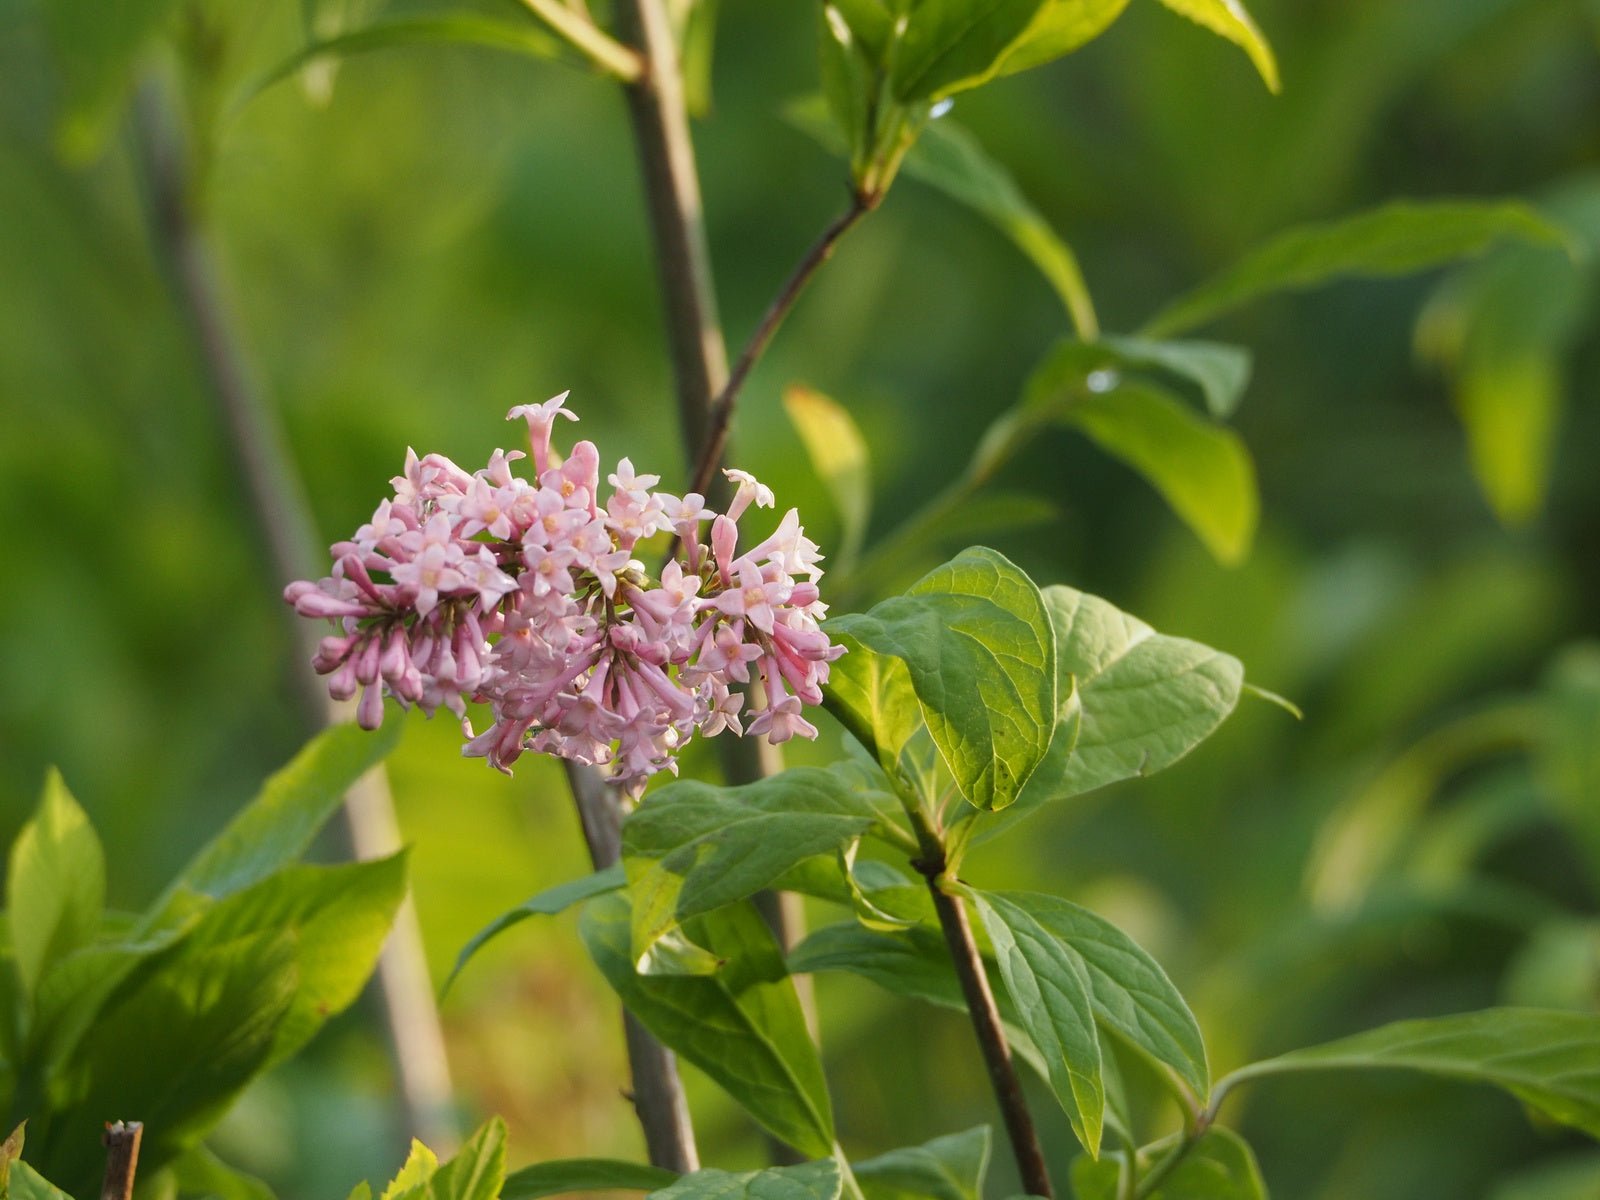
(1049, 984)
(547, 903)
(979, 656)
(951, 45)
(584, 1175)
(1549, 1060)
(199, 1172)
(1396, 239)
(691, 847)
(1576, 1178)
(949, 158)
(947, 1168)
(808, 1181)
(1228, 18)
(55, 884)
(1144, 699)
(742, 1026)
(1219, 1166)
(1568, 745)
(1220, 371)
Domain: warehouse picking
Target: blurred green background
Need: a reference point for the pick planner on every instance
(454, 231)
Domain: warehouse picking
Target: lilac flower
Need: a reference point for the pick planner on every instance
(530, 598)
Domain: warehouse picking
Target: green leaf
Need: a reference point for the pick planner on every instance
(690, 848)
(476, 1172)
(584, 1175)
(808, 1181)
(55, 884)
(204, 1018)
(414, 1173)
(1575, 1178)
(947, 1168)
(950, 159)
(1567, 747)
(742, 1026)
(1549, 1060)
(547, 903)
(1220, 371)
(276, 827)
(1130, 993)
(1228, 18)
(1144, 699)
(980, 658)
(1049, 983)
(449, 29)
(200, 1172)
(10, 1152)
(28, 1184)
(1219, 1166)
(838, 454)
(1397, 239)
(949, 46)
(1059, 28)
(1202, 469)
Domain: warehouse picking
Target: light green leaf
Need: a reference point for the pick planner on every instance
(276, 827)
(1059, 28)
(838, 454)
(742, 1026)
(1220, 371)
(28, 1184)
(547, 903)
(691, 847)
(1130, 993)
(55, 883)
(947, 1168)
(1219, 1166)
(881, 896)
(949, 46)
(1228, 18)
(1049, 983)
(446, 29)
(475, 1173)
(1549, 1060)
(584, 1175)
(1145, 699)
(808, 1181)
(199, 1172)
(980, 657)
(1397, 239)
(949, 158)
(1202, 469)
(414, 1173)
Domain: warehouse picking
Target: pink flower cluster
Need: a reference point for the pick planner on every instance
(528, 597)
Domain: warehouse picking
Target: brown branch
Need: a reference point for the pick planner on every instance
(283, 516)
(121, 1140)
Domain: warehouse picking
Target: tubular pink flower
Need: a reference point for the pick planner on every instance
(541, 419)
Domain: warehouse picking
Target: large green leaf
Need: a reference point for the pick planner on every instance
(27, 1184)
(948, 157)
(692, 847)
(1144, 699)
(1218, 1166)
(1060, 27)
(1220, 371)
(1049, 984)
(277, 826)
(1396, 239)
(808, 1181)
(1202, 469)
(175, 1045)
(548, 903)
(742, 1026)
(55, 883)
(584, 1175)
(1130, 993)
(947, 1168)
(980, 657)
(199, 1172)
(1228, 18)
(1549, 1060)
(949, 46)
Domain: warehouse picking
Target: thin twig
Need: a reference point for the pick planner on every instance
(121, 1140)
(720, 416)
(277, 501)
(985, 1015)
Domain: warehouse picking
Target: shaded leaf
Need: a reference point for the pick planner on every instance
(1220, 371)
(742, 1026)
(1219, 1166)
(949, 46)
(97, 49)
(548, 903)
(1396, 239)
(1573, 1178)
(1049, 984)
(947, 1168)
(1228, 18)
(55, 883)
(200, 1172)
(27, 1184)
(1549, 1060)
(584, 1175)
(808, 1181)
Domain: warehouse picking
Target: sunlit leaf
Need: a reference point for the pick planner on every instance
(584, 1175)
(1228, 18)
(947, 1168)
(55, 883)
(1060, 27)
